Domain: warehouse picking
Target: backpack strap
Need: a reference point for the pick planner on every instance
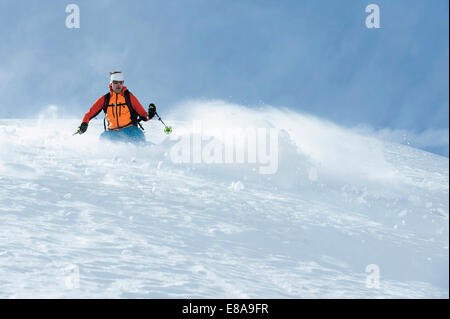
(133, 113)
(106, 101)
(105, 107)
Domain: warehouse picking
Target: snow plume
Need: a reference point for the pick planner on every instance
(304, 143)
(262, 145)
(50, 112)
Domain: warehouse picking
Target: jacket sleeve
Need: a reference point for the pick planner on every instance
(138, 107)
(94, 110)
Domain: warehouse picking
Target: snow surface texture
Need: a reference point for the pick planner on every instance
(344, 216)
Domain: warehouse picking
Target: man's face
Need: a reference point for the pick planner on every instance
(117, 86)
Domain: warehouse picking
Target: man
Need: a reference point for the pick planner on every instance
(122, 111)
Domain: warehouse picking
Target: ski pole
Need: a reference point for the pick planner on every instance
(167, 129)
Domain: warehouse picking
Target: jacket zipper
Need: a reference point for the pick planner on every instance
(117, 113)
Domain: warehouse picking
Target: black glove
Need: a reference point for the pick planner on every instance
(151, 111)
(82, 128)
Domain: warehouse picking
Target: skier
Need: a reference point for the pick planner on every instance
(122, 111)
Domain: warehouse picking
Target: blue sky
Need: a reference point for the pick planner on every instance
(314, 56)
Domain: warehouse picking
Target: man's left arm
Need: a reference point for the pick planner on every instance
(138, 108)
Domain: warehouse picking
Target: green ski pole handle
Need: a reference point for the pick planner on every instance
(167, 129)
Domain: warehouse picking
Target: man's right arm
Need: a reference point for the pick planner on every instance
(94, 110)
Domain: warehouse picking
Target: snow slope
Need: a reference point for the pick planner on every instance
(80, 218)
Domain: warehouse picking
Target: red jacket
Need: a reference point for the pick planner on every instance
(118, 114)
